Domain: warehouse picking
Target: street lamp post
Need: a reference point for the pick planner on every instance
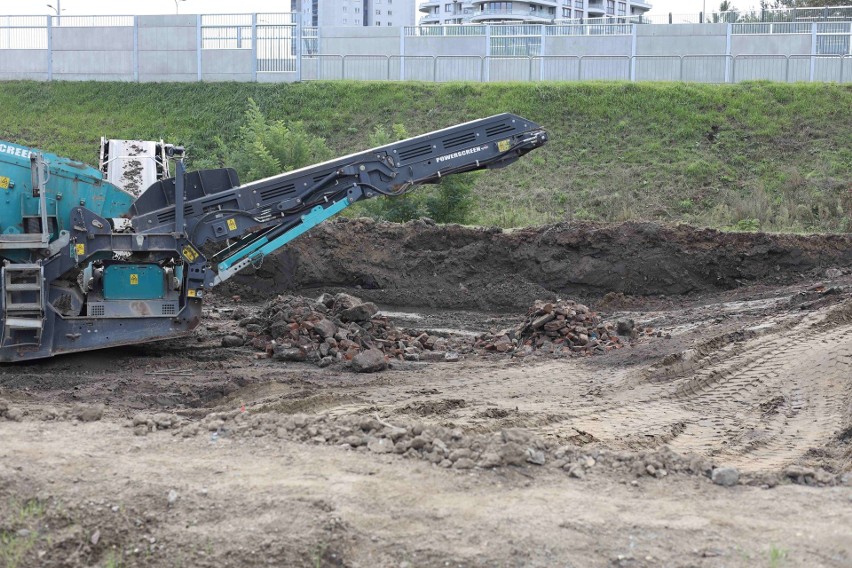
(58, 10)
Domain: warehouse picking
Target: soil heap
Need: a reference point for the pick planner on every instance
(337, 328)
(564, 327)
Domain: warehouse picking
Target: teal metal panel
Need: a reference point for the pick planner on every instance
(263, 246)
(134, 282)
(69, 185)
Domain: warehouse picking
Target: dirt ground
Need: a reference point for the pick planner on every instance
(187, 453)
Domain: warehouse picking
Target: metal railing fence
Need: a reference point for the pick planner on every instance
(710, 68)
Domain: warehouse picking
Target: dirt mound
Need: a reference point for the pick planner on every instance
(563, 328)
(337, 328)
(420, 264)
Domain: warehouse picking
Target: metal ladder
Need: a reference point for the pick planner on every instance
(23, 304)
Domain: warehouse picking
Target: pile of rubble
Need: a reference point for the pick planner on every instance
(454, 448)
(337, 328)
(561, 328)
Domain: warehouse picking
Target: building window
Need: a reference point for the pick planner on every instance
(378, 12)
(448, 8)
(622, 8)
(566, 13)
(578, 4)
(390, 13)
(610, 6)
(378, 23)
(497, 7)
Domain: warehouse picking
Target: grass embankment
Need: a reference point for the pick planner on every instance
(767, 156)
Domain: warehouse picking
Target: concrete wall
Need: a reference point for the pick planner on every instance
(683, 39)
(588, 45)
(93, 54)
(21, 64)
(168, 48)
(445, 45)
(359, 41)
(777, 44)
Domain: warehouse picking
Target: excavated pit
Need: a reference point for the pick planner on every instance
(719, 430)
(424, 265)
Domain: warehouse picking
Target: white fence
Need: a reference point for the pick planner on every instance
(708, 68)
(273, 47)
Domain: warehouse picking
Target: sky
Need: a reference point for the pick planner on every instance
(141, 7)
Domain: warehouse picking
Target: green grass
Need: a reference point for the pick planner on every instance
(14, 548)
(756, 156)
(777, 557)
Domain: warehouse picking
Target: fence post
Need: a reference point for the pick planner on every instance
(136, 48)
(198, 44)
(813, 51)
(49, 48)
(580, 68)
(728, 60)
(253, 47)
(434, 68)
(541, 54)
(401, 54)
(342, 67)
(670, 17)
(681, 68)
(633, 41)
(487, 68)
(296, 32)
(787, 69)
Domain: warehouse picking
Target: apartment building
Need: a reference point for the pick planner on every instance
(534, 12)
(344, 13)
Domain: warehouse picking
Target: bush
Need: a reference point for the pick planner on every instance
(450, 201)
(265, 148)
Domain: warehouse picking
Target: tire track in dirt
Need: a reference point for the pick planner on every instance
(808, 374)
(759, 406)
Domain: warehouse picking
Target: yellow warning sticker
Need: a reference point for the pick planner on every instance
(504, 145)
(80, 249)
(189, 253)
(134, 280)
(4, 182)
(232, 224)
(190, 293)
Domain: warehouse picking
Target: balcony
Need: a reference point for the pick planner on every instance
(428, 6)
(431, 19)
(533, 16)
(596, 9)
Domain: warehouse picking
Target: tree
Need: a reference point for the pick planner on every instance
(776, 4)
(727, 13)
